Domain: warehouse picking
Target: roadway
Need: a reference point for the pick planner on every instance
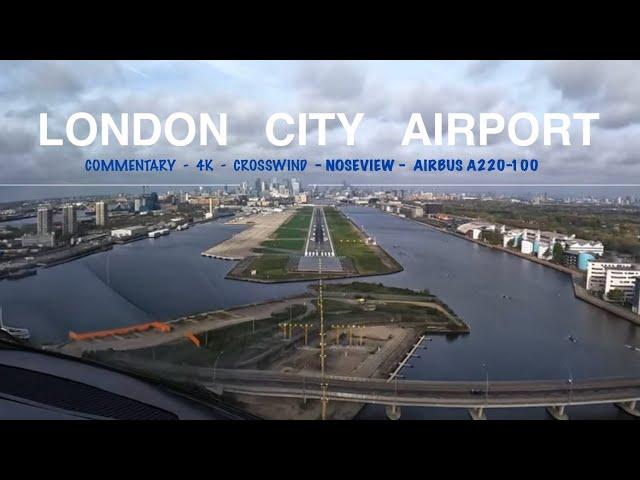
(468, 394)
(421, 393)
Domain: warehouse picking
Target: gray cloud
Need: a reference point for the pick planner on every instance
(331, 80)
(611, 88)
(16, 141)
(483, 68)
(386, 97)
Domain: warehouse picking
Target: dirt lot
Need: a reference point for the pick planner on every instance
(240, 245)
(382, 348)
(195, 324)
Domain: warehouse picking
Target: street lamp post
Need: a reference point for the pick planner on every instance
(304, 385)
(486, 387)
(216, 363)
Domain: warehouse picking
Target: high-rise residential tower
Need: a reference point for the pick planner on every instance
(69, 220)
(45, 220)
(102, 214)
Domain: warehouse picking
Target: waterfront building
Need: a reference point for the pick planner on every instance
(102, 214)
(578, 246)
(44, 240)
(410, 211)
(526, 246)
(44, 221)
(432, 208)
(583, 260)
(129, 232)
(635, 303)
(69, 220)
(570, 259)
(541, 243)
(543, 249)
(602, 277)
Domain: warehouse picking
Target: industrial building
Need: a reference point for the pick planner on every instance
(45, 240)
(129, 232)
(411, 211)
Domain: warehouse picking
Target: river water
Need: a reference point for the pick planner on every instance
(522, 336)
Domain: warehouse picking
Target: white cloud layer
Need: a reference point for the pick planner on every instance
(386, 91)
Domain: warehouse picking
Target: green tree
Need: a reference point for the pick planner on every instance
(615, 295)
(557, 251)
(494, 238)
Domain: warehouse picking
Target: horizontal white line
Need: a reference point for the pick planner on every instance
(119, 184)
(475, 185)
(325, 185)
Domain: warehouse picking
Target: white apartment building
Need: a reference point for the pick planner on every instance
(526, 246)
(606, 276)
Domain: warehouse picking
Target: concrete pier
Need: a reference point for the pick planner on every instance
(404, 361)
(629, 407)
(557, 412)
(477, 413)
(393, 412)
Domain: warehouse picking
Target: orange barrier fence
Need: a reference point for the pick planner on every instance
(193, 338)
(160, 326)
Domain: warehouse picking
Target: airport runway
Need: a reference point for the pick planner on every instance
(319, 244)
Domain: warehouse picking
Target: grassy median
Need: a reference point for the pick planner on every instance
(292, 234)
(349, 242)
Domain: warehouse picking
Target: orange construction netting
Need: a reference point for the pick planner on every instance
(160, 326)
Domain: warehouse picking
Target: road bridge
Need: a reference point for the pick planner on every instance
(475, 396)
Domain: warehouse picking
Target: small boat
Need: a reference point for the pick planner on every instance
(633, 347)
(572, 339)
(20, 333)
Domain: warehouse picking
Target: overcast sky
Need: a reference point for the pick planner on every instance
(386, 91)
